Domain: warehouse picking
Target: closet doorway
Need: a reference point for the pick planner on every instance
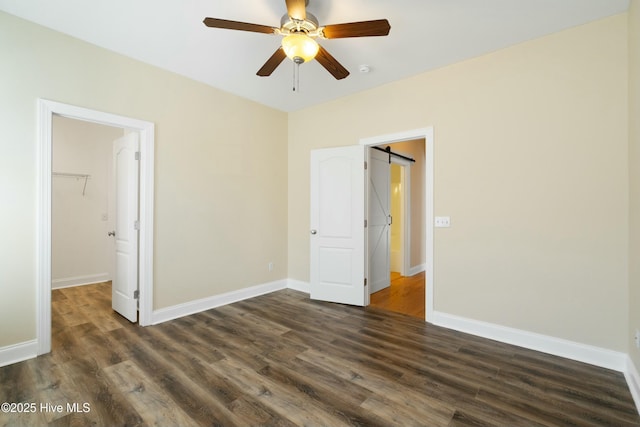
(135, 140)
(81, 209)
(94, 207)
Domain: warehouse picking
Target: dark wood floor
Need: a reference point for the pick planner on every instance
(281, 359)
(405, 295)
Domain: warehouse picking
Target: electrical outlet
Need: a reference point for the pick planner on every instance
(270, 266)
(637, 338)
(443, 221)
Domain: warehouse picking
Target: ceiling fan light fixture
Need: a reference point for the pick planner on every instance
(299, 47)
(299, 29)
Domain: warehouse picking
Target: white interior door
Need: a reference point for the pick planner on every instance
(379, 217)
(337, 262)
(125, 279)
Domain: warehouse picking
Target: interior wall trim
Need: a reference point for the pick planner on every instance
(18, 352)
(633, 380)
(203, 304)
(416, 269)
(299, 285)
(586, 353)
(90, 279)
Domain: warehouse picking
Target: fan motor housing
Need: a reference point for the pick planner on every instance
(308, 25)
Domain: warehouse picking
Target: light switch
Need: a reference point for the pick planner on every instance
(443, 221)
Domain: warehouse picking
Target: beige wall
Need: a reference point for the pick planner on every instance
(79, 242)
(531, 165)
(634, 177)
(221, 177)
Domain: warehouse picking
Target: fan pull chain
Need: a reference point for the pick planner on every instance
(296, 76)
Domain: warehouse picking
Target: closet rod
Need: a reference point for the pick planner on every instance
(72, 175)
(75, 175)
(391, 153)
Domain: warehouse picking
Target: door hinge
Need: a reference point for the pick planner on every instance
(365, 165)
(136, 225)
(137, 155)
(136, 294)
(365, 223)
(365, 281)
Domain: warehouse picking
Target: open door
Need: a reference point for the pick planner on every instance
(379, 217)
(124, 284)
(337, 260)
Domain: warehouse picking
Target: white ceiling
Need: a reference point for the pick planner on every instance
(425, 34)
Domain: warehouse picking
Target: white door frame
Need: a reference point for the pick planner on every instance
(46, 110)
(427, 135)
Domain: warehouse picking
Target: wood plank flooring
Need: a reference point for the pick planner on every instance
(283, 360)
(405, 295)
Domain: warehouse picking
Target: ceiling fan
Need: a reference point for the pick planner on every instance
(299, 29)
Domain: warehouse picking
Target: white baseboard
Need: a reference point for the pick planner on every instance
(633, 380)
(18, 352)
(192, 307)
(298, 285)
(571, 350)
(90, 279)
(416, 269)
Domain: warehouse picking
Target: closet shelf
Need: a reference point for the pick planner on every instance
(84, 176)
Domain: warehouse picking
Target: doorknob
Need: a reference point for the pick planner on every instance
(314, 231)
(111, 233)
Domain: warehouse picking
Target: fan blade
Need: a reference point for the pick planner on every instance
(272, 63)
(331, 64)
(296, 9)
(378, 27)
(235, 25)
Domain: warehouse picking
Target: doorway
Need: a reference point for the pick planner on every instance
(82, 210)
(396, 266)
(94, 204)
(339, 268)
(418, 260)
(46, 111)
